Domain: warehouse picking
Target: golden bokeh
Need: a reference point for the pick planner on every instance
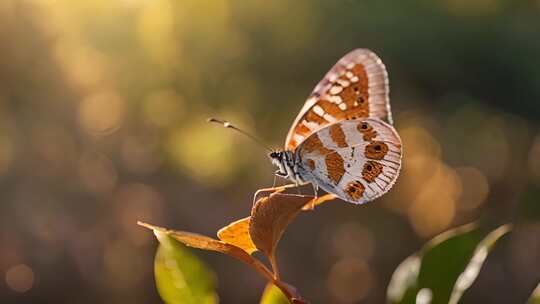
(350, 280)
(157, 34)
(102, 113)
(206, 153)
(353, 240)
(434, 208)
(83, 66)
(102, 123)
(474, 188)
(163, 108)
(20, 278)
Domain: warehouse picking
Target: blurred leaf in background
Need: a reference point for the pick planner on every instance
(445, 267)
(181, 278)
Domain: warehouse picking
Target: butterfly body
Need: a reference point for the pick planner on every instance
(343, 140)
(289, 166)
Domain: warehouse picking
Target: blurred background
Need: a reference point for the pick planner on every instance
(102, 123)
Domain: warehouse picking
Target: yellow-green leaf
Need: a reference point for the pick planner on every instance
(181, 278)
(273, 295)
(535, 296)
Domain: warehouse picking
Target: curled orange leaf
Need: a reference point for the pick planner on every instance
(237, 234)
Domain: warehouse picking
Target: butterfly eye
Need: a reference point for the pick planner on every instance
(364, 126)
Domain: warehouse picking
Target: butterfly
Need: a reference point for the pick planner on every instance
(343, 139)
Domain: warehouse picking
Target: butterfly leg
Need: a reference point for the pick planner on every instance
(312, 203)
(298, 188)
(315, 190)
(268, 191)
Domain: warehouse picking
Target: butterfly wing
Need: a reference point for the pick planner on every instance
(355, 87)
(357, 160)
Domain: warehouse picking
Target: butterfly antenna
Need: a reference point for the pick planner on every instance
(227, 124)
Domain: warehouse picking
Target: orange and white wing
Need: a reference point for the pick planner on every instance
(355, 87)
(357, 160)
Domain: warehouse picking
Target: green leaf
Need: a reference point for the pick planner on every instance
(535, 296)
(273, 295)
(404, 279)
(180, 276)
(469, 275)
(444, 268)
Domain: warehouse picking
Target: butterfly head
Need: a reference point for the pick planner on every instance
(277, 160)
(284, 160)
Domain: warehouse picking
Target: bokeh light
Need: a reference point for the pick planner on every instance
(102, 123)
(474, 188)
(350, 280)
(352, 240)
(20, 278)
(163, 108)
(101, 113)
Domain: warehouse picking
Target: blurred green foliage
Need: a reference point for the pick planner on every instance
(445, 267)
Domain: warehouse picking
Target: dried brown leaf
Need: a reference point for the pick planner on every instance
(202, 242)
(237, 234)
(265, 192)
(269, 219)
(318, 201)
